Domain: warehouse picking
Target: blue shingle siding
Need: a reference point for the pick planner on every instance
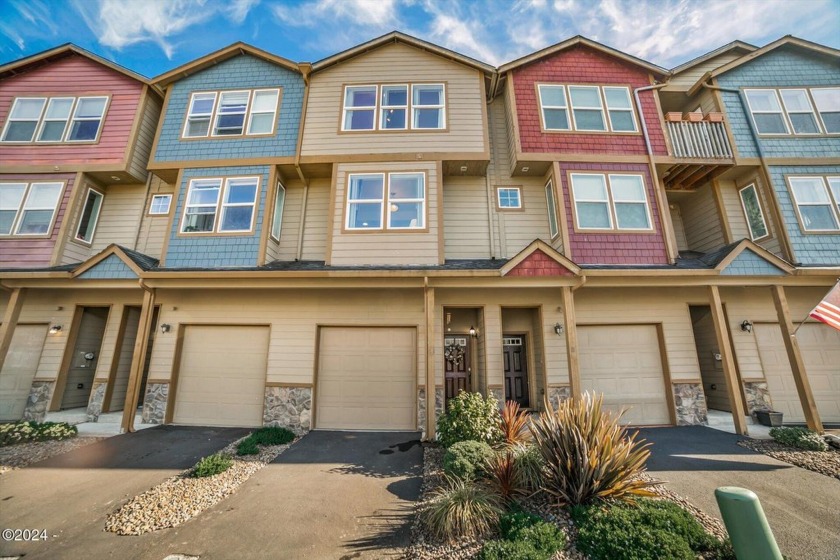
(109, 268)
(780, 68)
(751, 264)
(240, 72)
(185, 251)
(811, 248)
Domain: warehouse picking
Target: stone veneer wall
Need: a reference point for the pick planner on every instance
(499, 394)
(38, 400)
(758, 396)
(154, 403)
(97, 398)
(421, 406)
(558, 394)
(690, 404)
(288, 407)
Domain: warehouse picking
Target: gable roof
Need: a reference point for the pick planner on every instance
(219, 56)
(137, 262)
(399, 37)
(543, 247)
(733, 46)
(787, 40)
(581, 40)
(724, 256)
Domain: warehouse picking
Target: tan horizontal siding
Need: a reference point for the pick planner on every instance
(145, 137)
(318, 214)
(119, 219)
(465, 218)
(518, 229)
(703, 230)
(689, 77)
(154, 229)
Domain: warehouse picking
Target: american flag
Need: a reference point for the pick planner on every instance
(828, 310)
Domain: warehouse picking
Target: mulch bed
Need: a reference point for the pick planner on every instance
(823, 462)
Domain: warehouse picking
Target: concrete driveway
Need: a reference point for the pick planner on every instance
(801, 506)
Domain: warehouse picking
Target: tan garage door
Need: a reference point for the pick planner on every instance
(19, 369)
(222, 377)
(366, 379)
(820, 346)
(624, 363)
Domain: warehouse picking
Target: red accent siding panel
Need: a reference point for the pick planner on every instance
(614, 248)
(539, 264)
(582, 65)
(74, 75)
(22, 252)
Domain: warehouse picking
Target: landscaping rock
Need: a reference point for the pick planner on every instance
(823, 462)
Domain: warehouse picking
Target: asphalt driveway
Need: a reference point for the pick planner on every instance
(801, 506)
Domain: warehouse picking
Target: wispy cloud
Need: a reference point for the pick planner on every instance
(27, 19)
(238, 10)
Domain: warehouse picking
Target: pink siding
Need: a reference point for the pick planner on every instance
(614, 248)
(22, 252)
(74, 75)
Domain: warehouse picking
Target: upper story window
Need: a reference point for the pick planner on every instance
(752, 210)
(28, 208)
(394, 201)
(394, 107)
(160, 205)
(90, 216)
(817, 201)
(795, 111)
(55, 119)
(508, 198)
(231, 113)
(586, 108)
(279, 203)
(220, 205)
(551, 206)
(610, 202)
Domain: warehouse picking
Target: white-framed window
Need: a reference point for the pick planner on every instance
(587, 109)
(612, 201)
(817, 202)
(160, 204)
(551, 207)
(55, 119)
(87, 119)
(230, 113)
(593, 108)
(263, 111)
(827, 101)
(554, 107)
(766, 111)
(393, 113)
(428, 103)
(201, 206)
(23, 119)
(752, 211)
(220, 114)
(394, 107)
(359, 108)
(199, 115)
(90, 216)
(620, 109)
(28, 208)
(799, 111)
(279, 203)
(508, 198)
(394, 201)
(232, 199)
(238, 204)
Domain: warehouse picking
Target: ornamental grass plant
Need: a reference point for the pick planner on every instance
(461, 509)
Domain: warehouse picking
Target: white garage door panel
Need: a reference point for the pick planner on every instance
(19, 369)
(222, 377)
(624, 363)
(820, 346)
(366, 379)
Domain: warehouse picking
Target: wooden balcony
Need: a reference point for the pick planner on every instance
(700, 150)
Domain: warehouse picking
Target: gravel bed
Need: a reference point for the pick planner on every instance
(823, 462)
(20, 455)
(182, 497)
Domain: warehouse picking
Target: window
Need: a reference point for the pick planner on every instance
(766, 111)
(390, 107)
(23, 119)
(90, 216)
(198, 116)
(800, 112)
(28, 209)
(508, 198)
(796, 113)
(555, 110)
(827, 101)
(230, 115)
(428, 106)
(87, 117)
(160, 204)
(587, 106)
(752, 210)
(620, 109)
(279, 203)
(552, 210)
(44, 119)
(263, 111)
(233, 199)
(611, 201)
(817, 202)
(55, 119)
(359, 108)
(587, 111)
(404, 198)
(393, 115)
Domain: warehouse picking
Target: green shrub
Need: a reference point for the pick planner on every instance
(530, 464)
(470, 417)
(247, 447)
(525, 537)
(800, 438)
(467, 459)
(510, 550)
(461, 508)
(23, 432)
(212, 465)
(545, 537)
(513, 522)
(272, 435)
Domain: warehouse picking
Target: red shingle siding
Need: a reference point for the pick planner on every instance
(539, 264)
(582, 65)
(614, 248)
(74, 75)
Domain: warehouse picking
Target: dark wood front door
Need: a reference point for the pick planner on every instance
(456, 350)
(516, 370)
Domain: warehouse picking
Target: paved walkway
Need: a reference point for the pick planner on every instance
(803, 507)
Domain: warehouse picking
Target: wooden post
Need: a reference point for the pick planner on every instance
(728, 362)
(431, 415)
(797, 366)
(570, 329)
(10, 319)
(138, 360)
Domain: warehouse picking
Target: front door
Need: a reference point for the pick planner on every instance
(456, 361)
(516, 370)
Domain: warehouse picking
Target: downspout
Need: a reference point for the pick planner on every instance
(143, 215)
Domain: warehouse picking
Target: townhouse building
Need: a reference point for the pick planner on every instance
(349, 243)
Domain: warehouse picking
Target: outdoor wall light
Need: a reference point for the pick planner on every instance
(746, 325)
(558, 329)
(473, 332)
(165, 328)
(55, 329)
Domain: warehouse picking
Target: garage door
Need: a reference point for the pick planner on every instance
(19, 369)
(624, 363)
(222, 377)
(366, 379)
(820, 346)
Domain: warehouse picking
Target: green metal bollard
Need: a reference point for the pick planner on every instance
(752, 538)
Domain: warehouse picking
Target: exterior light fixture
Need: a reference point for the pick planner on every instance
(746, 325)
(558, 329)
(55, 329)
(165, 328)
(473, 332)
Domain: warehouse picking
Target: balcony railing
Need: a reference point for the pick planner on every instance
(702, 140)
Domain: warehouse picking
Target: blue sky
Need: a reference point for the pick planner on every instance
(154, 36)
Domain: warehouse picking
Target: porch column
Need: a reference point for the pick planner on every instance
(797, 366)
(727, 360)
(10, 319)
(570, 329)
(138, 360)
(431, 413)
